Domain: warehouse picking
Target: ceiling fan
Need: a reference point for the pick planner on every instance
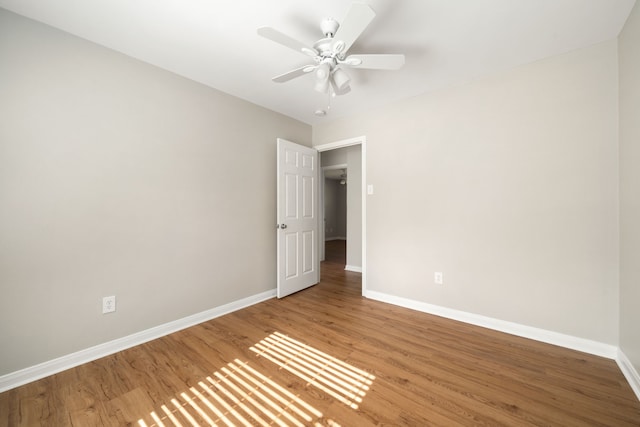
(329, 54)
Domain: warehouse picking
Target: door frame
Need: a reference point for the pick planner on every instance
(362, 141)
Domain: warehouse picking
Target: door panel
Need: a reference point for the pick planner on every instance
(298, 264)
(291, 195)
(291, 242)
(308, 245)
(308, 195)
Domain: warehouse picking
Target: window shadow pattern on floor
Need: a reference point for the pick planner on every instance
(338, 379)
(240, 395)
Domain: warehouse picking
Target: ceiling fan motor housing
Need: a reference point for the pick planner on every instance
(323, 47)
(329, 27)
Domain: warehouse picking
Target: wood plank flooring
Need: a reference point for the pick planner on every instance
(328, 357)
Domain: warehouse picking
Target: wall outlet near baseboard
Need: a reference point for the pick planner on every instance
(437, 278)
(108, 304)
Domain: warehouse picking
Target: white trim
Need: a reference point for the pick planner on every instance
(340, 144)
(354, 268)
(575, 343)
(363, 152)
(629, 372)
(335, 167)
(321, 218)
(33, 373)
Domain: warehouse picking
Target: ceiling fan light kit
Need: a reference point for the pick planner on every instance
(329, 53)
(322, 86)
(340, 80)
(322, 71)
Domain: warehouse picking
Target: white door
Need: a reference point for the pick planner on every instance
(298, 265)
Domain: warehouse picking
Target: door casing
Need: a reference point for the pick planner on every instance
(362, 141)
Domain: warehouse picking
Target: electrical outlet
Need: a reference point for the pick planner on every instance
(108, 304)
(437, 278)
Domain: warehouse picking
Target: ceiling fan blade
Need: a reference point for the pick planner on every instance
(293, 74)
(375, 62)
(358, 18)
(285, 40)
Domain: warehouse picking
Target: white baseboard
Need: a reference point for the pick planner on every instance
(33, 373)
(329, 239)
(353, 268)
(575, 343)
(629, 372)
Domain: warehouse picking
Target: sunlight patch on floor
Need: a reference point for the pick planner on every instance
(236, 395)
(239, 395)
(340, 380)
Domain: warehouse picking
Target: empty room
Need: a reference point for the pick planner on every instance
(301, 213)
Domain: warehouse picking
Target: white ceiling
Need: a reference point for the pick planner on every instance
(446, 42)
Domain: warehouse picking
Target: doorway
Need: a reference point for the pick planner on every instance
(346, 157)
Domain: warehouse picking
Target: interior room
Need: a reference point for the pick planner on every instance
(491, 271)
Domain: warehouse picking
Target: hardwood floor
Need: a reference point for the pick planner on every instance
(327, 356)
(335, 252)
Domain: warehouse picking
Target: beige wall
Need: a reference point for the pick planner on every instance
(333, 157)
(629, 53)
(509, 186)
(335, 210)
(118, 178)
(335, 198)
